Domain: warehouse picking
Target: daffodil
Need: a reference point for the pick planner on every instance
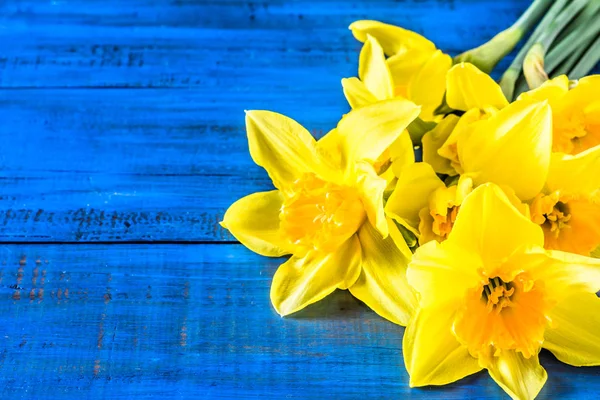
(491, 297)
(423, 204)
(511, 148)
(415, 69)
(327, 211)
(568, 209)
(477, 95)
(575, 112)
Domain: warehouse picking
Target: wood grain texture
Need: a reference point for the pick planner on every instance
(123, 120)
(180, 321)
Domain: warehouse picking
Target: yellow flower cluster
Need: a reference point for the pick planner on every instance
(484, 249)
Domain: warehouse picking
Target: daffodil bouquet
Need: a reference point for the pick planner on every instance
(483, 244)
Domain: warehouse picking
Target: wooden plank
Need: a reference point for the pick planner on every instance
(181, 321)
(142, 43)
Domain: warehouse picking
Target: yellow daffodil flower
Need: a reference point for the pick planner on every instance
(423, 204)
(491, 297)
(575, 112)
(511, 148)
(478, 96)
(327, 210)
(415, 69)
(568, 209)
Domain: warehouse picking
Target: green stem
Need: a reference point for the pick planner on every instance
(592, 7)
(587, 62)
(509, 78)
(486, 56)
(586, 32)
(583, 32)
(568, 64)
(533, 65)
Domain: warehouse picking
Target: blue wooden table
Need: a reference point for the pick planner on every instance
(122, 145)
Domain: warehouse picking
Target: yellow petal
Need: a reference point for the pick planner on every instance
(369, 130)
(575, 174)
(303, 281)
(413, 189)
(402, 152)
(563, 272)
(449, 149)
(330, 149)
(429, 84)
(382, 284)
(254, 221)
(489, 225)
(399, 239)
(443, 272)
(371, 189)
(406, 64)
(392, 38)
(521, 378)
(357, 93)
(510, 148)
(432, 354)
(467, 87)
(552, 90)
(575, 335)
(434, 140)
(373, 70)
(282, 147)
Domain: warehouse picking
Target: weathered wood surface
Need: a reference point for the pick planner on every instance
(188, 321)
(123, 120)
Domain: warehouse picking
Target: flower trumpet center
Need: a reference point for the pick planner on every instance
(552, 213)
(568, 131)
(504, 314)
(497, 294)
(437, 220)
(570, 222)
(320, 215)
(443, 223)
(558, 218)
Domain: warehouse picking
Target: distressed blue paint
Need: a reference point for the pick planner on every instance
(121, 121)
(187, 321)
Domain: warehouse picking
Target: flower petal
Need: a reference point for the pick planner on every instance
(254, 221)
(357, 93)
(303, 281)
(373, 70)
(371, 188)
(467, 87)
(369, 130)
(393, 39)
(575, 174)
(575, 335)
(402, 152)
(432, 355)
(564, 272)
(443, 272)
(488, 224)
(521, 378)
(282, 147)
(434, 140)
(500, 149)
(551, 90)
(429, 84)
(415, 185)
(382, 284)
(406, 64)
